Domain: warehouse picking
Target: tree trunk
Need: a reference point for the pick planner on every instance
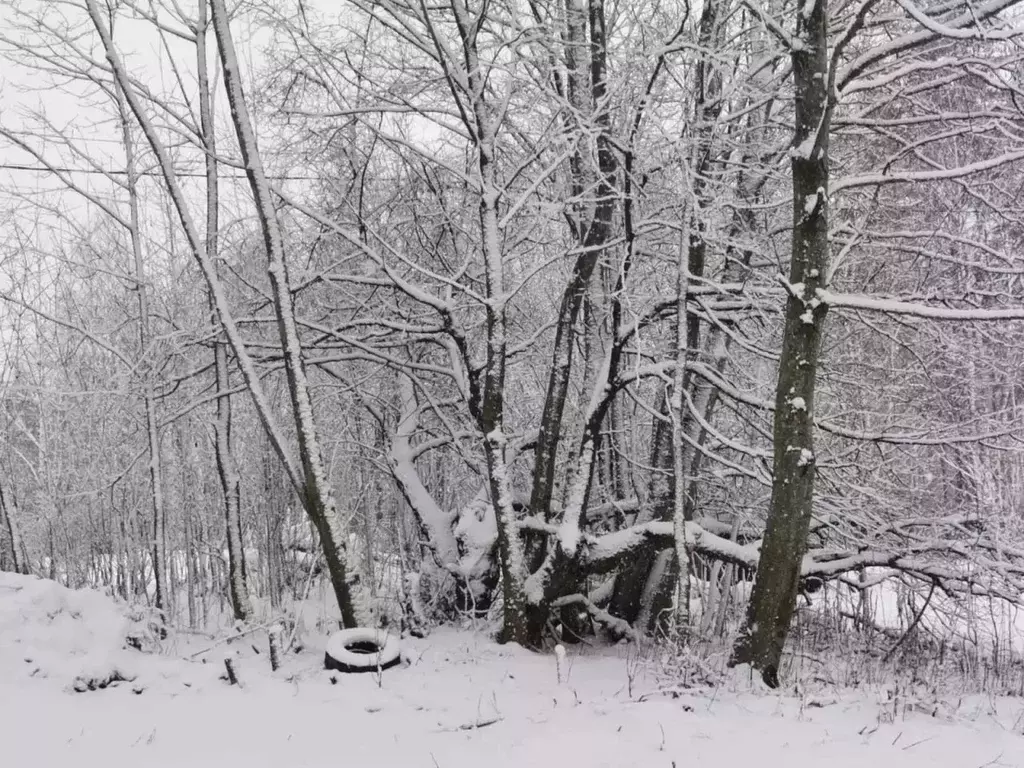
(227, 472)
(480, 123)
(9, 518)
(681, 506)
(773, 599)
(510, 548)
(317, 495)
(159, 540)
(586, 91)
(627, 597)
(551, 426)
(190, 551)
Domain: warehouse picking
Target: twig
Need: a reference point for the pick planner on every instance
(305, 596)
(229, 638)
(472, 726)
(922, 741)
(913, 625)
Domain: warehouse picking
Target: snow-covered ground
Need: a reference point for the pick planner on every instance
(462, 701)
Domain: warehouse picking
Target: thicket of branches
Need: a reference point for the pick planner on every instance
(514, 306)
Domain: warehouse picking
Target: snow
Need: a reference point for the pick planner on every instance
(476, 532)
(339, 643)
(798, 404)
(71, 638)
(459, 701)
(805, 148)
(437, 522)
(569, 535)
(899, 307)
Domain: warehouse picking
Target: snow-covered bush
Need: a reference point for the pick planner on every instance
(75, 637)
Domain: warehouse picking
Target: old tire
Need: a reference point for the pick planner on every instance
(362, 649)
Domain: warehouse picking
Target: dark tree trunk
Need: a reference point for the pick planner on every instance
(12, 534)
(772, 602)
(586, 90)
(626, 600)
(648, 580)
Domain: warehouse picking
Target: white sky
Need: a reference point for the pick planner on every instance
(27, 97)
(36, 207)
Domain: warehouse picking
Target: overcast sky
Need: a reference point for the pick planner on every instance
(30, 99)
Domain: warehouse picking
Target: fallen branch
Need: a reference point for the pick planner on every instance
(617, 626)
(933, 562)
(228, 639)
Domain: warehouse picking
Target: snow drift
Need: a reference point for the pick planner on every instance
(76, 638)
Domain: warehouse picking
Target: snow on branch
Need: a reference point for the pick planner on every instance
(771, 24)
(974, 32)
(897, 307)
(617, 626)
(938, 560)
(940, 174)
(436, 523)
(970, 17)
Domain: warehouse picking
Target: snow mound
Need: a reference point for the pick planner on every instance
(73, 637)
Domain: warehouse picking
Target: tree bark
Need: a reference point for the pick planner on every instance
(773, 599)
(681, 508)
(317, 495)
(159, 540)
(227, 472)
(9, 517)
(586, 91)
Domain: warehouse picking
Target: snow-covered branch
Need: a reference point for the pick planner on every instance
(916, 309)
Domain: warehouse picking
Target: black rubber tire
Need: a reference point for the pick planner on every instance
(362, 650)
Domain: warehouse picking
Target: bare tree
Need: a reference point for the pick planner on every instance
(12, 530)
(156, 478)
(227, 470)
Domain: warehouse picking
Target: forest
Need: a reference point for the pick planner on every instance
(689, 322)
